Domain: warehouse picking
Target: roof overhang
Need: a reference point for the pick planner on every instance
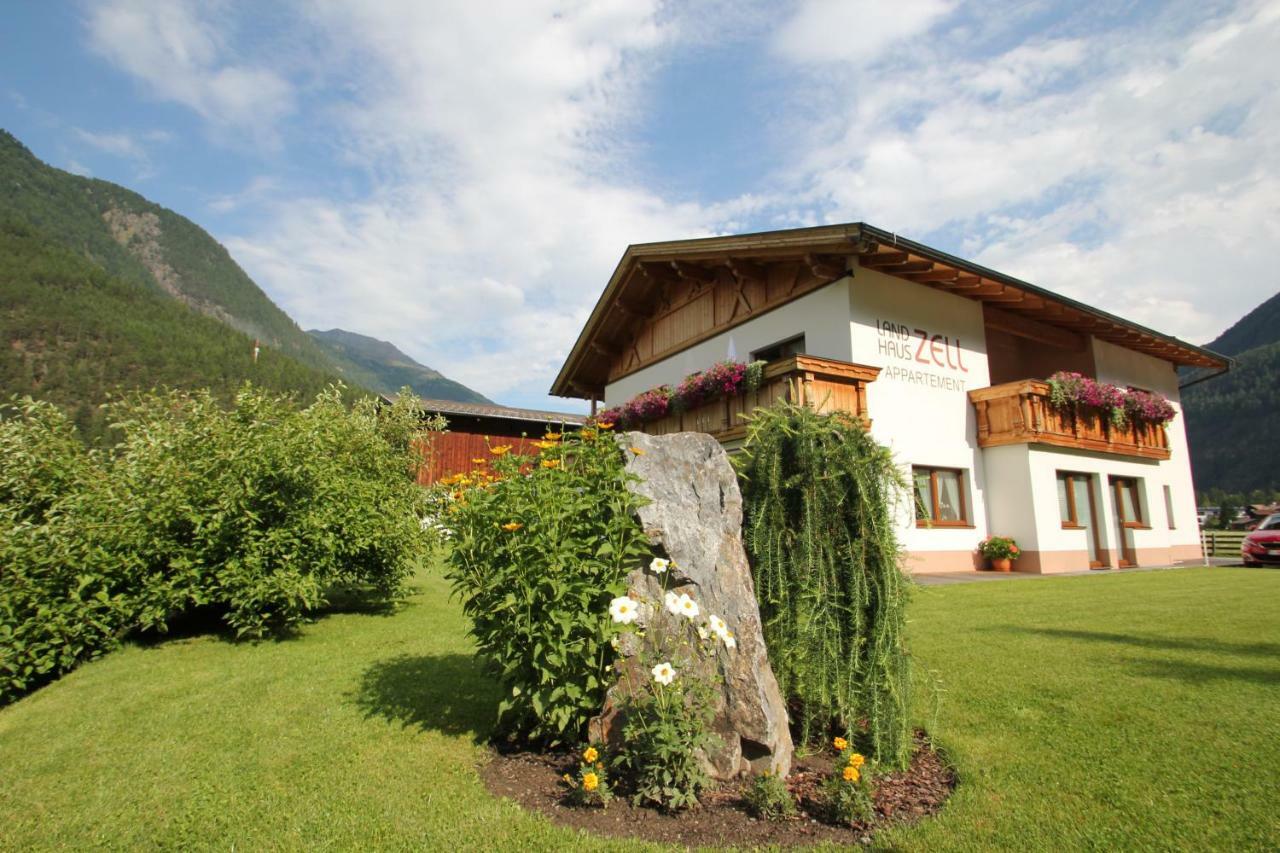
(832, 250)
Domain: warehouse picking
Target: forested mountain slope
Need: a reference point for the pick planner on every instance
(134, 239)
(385, 368)
(75, 333)
(1233, 420)
(102, 289)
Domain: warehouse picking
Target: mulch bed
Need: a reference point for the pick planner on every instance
(533, 780)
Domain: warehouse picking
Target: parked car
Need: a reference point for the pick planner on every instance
(1262, 546)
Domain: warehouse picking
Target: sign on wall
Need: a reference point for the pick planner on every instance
(919, 357)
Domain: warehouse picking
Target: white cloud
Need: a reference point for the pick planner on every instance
(119, 144)
(181, 54)
(259, 188)
(854, 31)
(1134, 169)
(501, 201)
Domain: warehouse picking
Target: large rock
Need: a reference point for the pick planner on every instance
(694, 515)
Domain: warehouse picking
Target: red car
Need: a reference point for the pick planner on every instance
(1262, 546)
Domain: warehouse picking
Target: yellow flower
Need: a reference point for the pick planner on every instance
(589, 754)
(851, 774)
(477, 461)
(637, 451)
(567, 779)
(500, 449)
(856, 760)
(512, 526)
(591, 781)
(840, 744)
(545, 445)
(552, 436)
(550, 463)
(604, 425)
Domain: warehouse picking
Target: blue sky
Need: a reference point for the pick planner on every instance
(461, 178)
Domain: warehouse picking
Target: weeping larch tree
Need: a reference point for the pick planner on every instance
(820, 497)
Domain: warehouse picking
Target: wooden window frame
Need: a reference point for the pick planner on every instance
(1117, 483)
(774, 351)
(964, 521)
(1069, 478)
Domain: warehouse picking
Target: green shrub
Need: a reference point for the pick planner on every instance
(63, 598)
(768, 798)
(820, 498)
(252, 513)
(259, 510)
(536, 558)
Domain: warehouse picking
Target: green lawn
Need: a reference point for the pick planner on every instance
(1125, 711)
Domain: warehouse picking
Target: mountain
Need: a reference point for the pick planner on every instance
(75, 333)
(139, 241)
(101, 289)
(381, 366)
(1231, 419)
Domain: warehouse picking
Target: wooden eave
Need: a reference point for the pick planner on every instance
(635, 291)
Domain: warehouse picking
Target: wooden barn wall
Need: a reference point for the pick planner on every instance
(449, 453)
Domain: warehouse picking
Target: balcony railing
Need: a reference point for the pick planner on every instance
(822, 383)
(1020, 413)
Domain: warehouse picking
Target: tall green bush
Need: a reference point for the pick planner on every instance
(63, 597)
(541, 545)
(258, 510)
(253, 513)
(820, 498)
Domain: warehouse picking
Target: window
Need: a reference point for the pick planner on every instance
(1128, 505)
(1075, 500)
(1168, 506)
(773, 352)
(939, 497)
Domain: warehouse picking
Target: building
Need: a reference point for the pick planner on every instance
(473, 428)
(946, 361)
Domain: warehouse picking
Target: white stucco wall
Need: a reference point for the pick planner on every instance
(1125, 367)
(821, 316)
(919, 405)
(1010, 512)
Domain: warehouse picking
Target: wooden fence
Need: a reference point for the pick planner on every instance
(1222, 543)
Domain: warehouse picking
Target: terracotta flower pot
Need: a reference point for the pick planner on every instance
(1002, 564)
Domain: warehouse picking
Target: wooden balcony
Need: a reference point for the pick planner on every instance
(823, 383)
(1020, 413)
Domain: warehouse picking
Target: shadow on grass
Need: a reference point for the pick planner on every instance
(1205, 673)
(443, 693)
(364, 601)
(209, 620)
(1190, 644)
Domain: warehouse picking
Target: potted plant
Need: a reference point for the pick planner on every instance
(1001, 551)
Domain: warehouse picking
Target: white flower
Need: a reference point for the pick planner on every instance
(623, 609)
(688, 607)
(672, 603)
(729, 641)
(715, 623)
(663, 673)
(704, 633)
(659, 565)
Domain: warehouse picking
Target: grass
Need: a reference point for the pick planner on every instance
(1126, 711)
